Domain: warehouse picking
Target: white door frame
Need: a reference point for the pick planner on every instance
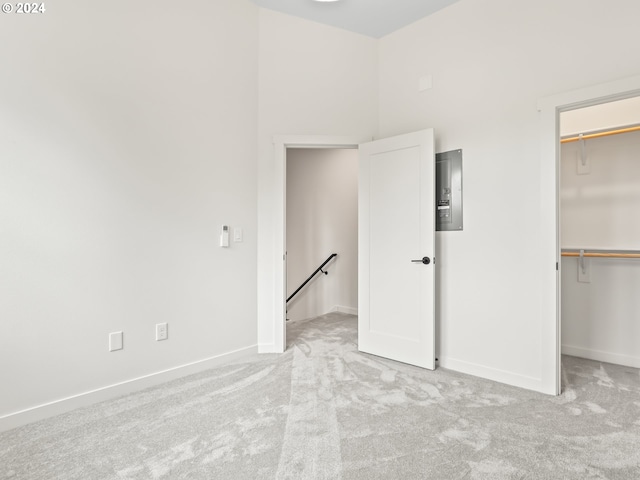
(550, 109)
(278, 287)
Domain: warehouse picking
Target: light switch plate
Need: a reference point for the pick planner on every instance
(237, 234)
(425, 83)
(115, 341)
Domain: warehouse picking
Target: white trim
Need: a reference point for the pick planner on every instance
(347, 310)
(593, 95)
(319, 141)
(481, 371)
(550, 295)
(268, 348)
(277, 286)
(63, 405)
(600, 356)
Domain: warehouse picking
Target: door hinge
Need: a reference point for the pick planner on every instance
(557, 266)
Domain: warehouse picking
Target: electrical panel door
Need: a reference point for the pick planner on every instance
(449, 190)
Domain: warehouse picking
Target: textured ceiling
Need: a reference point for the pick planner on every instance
(374, 18)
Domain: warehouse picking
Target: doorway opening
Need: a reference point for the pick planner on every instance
(600, 232)
(283, 144)
(551, 109)
(321, 232)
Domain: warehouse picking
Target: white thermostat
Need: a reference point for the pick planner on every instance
(224, 236)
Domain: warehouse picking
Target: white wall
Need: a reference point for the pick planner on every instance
(127, 137)
(322, 218)
(600, 211)
(491, 61)
(314, 80)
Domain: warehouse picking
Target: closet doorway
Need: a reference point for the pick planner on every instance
(599, 205)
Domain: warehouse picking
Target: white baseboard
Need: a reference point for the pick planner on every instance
(600, 356)
(502, 376)
(85, 399)
(347, 310)
(268, 348)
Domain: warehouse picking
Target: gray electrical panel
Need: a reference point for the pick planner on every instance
(449, 190)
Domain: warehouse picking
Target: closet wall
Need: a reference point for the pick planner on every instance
(600, 210)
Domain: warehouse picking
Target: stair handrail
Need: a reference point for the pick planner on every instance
(319, 269)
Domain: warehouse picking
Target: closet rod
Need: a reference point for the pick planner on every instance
(603, 254)
(605, 133)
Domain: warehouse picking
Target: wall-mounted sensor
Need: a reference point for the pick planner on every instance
(224, 236)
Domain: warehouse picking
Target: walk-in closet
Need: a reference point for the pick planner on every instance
(600, 232)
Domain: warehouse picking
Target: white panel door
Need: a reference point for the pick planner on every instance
(396, 229)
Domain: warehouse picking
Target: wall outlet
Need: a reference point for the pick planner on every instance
(115, 341)
(162, 331)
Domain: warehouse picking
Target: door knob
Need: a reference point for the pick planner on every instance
(424, 260)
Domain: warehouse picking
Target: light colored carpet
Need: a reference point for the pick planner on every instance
(323, 410)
